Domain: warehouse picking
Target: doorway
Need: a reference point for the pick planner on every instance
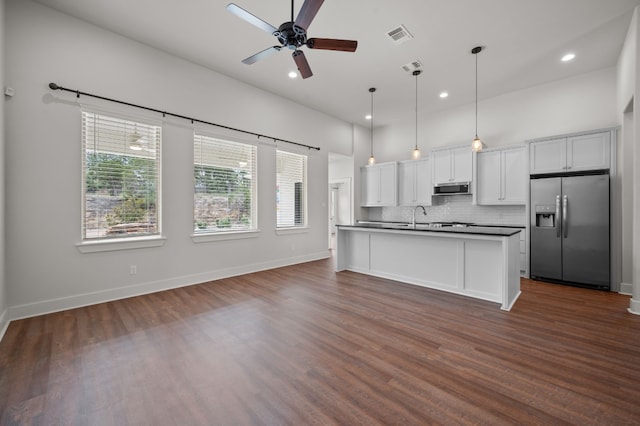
(339, 207)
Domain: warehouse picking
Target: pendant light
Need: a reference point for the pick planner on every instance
(372, 159)
(415, 154)
(477, 143)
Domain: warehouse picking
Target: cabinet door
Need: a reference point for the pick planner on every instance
(548, 156)
(514, 176)
(388, 184)
(588, 152)
(406, 183)
(423, 186)
(441, 166)
(370, 186)
(461, 164)
(489, 177)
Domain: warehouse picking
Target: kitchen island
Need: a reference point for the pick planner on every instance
(480, 262)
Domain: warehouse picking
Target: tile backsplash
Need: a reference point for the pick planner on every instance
(453, 208)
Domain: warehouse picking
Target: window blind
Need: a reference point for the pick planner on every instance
(121, 177)
(291, 189)
(224, 185)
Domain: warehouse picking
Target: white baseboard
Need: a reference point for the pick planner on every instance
(86, 299)
(4, 323)
(626, 288)
(634, 307)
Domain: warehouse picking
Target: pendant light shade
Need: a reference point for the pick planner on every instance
(415, 154)
(372, 159)
(477, 144)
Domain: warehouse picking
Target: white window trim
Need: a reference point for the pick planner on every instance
(205, 237)
(98, 246)
(224, 236)
(293, 230)
(115, 244)
(297, 229)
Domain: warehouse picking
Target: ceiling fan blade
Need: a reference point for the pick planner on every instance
(252, 19)
(261, 55)
(302, 64)
(332, 44)
(307, 13)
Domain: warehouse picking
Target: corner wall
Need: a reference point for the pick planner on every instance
(628, 111)
(4, 321)
(45, 271)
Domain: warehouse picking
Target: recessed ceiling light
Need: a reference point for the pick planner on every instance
(293, 74)
(444, 95)
(368, 117)
(568, 57)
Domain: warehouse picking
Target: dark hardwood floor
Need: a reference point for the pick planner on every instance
(303, 345)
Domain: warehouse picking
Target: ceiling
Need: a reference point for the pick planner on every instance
(523, 40)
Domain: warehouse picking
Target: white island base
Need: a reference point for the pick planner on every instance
(471, 263)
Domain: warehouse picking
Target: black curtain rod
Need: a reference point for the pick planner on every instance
(54, 86)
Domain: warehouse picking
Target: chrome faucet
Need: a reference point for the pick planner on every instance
(413, 217)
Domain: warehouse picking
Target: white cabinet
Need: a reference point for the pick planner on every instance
(501, 177)
(451, 165)
(414, 183)
(571, 154)
(379, 185)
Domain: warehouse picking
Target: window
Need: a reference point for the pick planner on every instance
(224, 185)
(121, 177)
(291, 190)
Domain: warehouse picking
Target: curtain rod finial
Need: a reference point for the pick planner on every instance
(53, 86)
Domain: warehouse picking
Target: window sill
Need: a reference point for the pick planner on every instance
(120, 244)
(292, 230)
(224, 236)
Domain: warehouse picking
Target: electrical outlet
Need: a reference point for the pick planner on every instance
(133, 269)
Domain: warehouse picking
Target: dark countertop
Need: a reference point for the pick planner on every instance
(424, 227)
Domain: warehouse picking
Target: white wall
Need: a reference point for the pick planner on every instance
(45, 270)
(571, 105)
(626, 91)
(628, 110)
(3, 301)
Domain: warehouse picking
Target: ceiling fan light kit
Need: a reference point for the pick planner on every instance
(293, 35)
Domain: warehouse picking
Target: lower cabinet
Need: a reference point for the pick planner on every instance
(414, 182)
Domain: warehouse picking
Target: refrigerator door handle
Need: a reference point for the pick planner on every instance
(565, 202)
(557, 216)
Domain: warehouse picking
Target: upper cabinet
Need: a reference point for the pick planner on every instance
(451, 165)
(571, 154)
(501, 177)
(379, 185)
(414, 182)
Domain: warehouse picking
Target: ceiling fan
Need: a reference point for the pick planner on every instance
(293, 35)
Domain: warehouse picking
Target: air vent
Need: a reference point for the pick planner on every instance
(412, 66)
(399, 35)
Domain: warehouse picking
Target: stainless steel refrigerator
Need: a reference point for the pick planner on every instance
(570, 230)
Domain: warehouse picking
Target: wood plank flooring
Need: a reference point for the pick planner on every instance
(304, 345)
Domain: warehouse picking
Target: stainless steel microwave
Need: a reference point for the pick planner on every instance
(452, 188)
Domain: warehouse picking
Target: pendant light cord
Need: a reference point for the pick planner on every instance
(477, 94)
(417, 73)
(371, 90)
